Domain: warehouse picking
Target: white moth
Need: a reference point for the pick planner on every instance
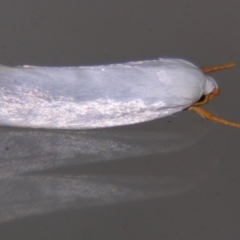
(99, 96)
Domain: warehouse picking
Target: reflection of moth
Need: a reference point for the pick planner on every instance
(102, 96)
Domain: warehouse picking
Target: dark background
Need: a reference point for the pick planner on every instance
(177, 178)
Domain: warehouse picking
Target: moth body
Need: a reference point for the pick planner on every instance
(99, 96)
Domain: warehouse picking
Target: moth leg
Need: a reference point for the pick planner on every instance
(205, 114)
(207, 97)
(217, 68)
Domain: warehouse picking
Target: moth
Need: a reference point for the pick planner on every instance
(88, 97)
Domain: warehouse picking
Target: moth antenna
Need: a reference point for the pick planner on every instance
(217, 68)
(205, 114)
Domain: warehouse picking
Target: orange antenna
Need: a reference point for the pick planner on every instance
(217, 68)
(205, 114)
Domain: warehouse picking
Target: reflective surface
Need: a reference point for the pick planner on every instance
(174, 178)
(94, 166)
